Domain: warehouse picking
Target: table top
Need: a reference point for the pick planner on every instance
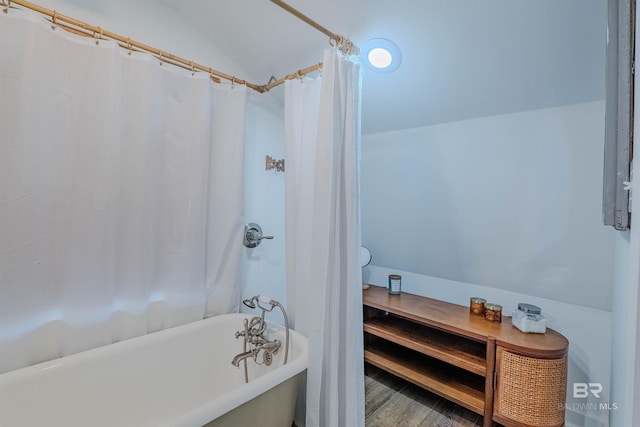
(457, 319)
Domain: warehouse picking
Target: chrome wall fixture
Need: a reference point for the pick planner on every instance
(253, 235)
(271, 163)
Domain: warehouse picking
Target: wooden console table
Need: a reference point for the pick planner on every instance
(493, 369)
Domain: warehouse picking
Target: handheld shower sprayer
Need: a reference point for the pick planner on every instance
(250, 302)
(255, 301)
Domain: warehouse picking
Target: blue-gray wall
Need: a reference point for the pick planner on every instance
(510, 201)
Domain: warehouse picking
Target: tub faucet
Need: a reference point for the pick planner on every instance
(253, 334)
(242, 356)
(258, 325)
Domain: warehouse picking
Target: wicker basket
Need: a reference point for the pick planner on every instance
(530, 391)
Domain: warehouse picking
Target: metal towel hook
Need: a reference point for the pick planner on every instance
(253, 235)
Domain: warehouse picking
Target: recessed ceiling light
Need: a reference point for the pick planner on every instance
(381, 55)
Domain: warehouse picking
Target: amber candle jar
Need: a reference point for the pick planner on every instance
(476, 305)
(493, 312)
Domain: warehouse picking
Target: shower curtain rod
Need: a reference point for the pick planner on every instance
(87, 30)
(306, 19)
(344, 44)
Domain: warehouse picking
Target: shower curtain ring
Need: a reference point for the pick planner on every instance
(6, 5)
(98, 37)
(212, 76)
(53, 20)
(129, 45)
(193, 70)
(161, 58)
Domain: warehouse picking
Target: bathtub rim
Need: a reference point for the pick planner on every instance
(202, 413)
(207, 412)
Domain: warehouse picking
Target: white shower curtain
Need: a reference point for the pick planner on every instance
(121, 193)
(322, 134)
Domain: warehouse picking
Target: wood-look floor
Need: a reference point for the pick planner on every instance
(392, 402)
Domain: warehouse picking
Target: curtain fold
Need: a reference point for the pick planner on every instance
(324, 276)
(302, 100)
(111, 174)
(225, 226)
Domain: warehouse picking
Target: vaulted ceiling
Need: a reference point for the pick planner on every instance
(461, 58)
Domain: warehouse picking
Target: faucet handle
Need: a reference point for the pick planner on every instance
(253, 235)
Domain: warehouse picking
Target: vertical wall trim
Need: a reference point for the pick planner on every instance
(634, 272)
(619, 112)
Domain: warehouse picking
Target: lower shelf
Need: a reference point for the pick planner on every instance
(454, 384)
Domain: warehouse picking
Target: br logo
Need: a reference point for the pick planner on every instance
(582, 390)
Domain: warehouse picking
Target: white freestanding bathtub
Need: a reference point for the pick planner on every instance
(177, 377)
